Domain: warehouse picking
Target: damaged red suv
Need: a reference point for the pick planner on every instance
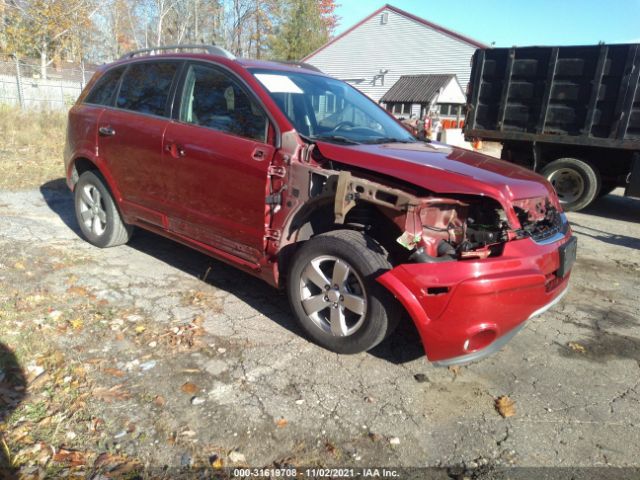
(303, 181)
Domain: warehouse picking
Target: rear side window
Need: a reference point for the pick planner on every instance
(104, 89)
(146, 86)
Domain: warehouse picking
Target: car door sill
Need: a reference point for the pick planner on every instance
(201, 247)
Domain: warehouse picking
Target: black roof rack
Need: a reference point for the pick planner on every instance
(304, 65)
(210, 49)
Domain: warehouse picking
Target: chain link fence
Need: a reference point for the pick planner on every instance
(21, 84)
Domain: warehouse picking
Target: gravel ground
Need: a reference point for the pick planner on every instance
(214, 367)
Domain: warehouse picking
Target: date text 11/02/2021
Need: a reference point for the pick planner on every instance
(315, 473)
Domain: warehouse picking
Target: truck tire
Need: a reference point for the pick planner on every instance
(576, 181)
(333, 292)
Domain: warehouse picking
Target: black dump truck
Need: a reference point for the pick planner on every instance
(570, 113)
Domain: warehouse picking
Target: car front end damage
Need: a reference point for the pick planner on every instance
(470, 270)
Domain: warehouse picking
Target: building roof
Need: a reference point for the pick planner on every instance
(416, 88)
(427, 23)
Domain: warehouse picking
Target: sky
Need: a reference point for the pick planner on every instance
(517, 22)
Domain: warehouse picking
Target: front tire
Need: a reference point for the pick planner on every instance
(96, 212)
(333, 292)
(576, 182)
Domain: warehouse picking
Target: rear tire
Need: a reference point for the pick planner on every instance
(98, 217)
(333, 292)
(576, 182)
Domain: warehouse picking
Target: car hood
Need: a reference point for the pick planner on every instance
(443, 169)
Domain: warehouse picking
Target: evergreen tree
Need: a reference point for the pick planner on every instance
(305, 26)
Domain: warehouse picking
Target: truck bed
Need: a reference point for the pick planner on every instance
(582, 95)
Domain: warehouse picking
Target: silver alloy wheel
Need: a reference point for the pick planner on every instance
(333, 295)
(568, 183)
(92, 209)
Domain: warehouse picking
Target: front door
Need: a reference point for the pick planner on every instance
(219, 150)
(130, 139)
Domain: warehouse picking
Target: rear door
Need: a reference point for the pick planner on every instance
(219, 150)
(130, 138)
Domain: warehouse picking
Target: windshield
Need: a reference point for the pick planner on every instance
(323, 108)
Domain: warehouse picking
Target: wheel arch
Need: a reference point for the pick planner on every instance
(317, 216)
(81, 164)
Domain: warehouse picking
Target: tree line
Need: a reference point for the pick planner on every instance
(97, 31)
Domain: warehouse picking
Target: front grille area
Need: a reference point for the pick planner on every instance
(545, 232)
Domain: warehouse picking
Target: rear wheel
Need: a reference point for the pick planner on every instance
(576, 182)
(97, 214)
(334, 294)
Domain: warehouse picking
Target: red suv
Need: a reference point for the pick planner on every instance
(303, 181)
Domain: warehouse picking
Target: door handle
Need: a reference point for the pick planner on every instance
(106, 131)
(258, 154)
(175, 150)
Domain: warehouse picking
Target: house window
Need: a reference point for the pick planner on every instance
(400, 108)
(451, 109)
(384, 18)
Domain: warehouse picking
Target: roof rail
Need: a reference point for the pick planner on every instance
(210, 49)
(293, 63)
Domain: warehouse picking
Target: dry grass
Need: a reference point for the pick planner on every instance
(31, 147)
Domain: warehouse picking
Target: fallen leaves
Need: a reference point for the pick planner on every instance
(114, 372)
(116, 465)
(76, 323)
(72, 458)
(455, 369)
(330, 448)
(505, 406)
(282, 422)
(159, 401)
(79, 291)
(189, 388)
(576, 347)
(185, 337)
(216, 462)
(108, 395)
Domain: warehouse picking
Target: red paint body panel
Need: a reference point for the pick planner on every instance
(497, 293)
(133, 156)
(212, 198)
(444, 169)
(217, 190)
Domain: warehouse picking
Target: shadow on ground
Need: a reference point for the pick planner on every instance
(606, 237)
(13, 386)
(600, 342)
(60, 200)
(403, 346)
(615, 207)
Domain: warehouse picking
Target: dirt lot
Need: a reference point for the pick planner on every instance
(153, 355)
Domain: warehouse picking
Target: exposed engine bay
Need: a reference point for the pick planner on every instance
(435, 228)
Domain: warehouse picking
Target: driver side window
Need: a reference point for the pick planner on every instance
(213, 99)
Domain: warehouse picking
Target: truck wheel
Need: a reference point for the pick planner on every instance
(334, 294)
(577, 182)
(96, 212)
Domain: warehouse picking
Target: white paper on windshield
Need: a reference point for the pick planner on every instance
(278, 83)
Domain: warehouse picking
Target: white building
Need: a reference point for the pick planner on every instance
(390, 43)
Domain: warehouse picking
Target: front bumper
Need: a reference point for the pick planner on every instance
(468, 309)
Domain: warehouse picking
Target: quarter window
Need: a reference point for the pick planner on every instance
(146, 86)
(213, 99)
(104, 89)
